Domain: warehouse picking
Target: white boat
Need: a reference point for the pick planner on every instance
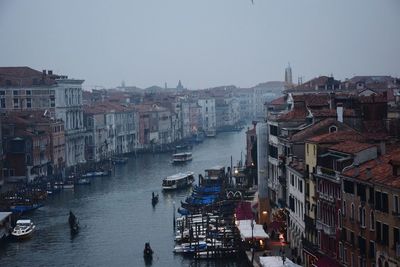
(190, 247)
(95, 174)
(23, 229)
(211, 133)
(182, 157)
(68, 185)
(177, 181)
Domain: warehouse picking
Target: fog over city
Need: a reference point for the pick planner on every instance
(203, 43)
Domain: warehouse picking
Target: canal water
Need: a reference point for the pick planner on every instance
(117, 217)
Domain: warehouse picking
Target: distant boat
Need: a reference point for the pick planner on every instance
(119, 160)
(82, 181)
(23, 229)
(147, 252)
(177, 181)
(73, 223)
(96, 174)
(68, 185)
(181, 157)
(154, 199)
(211, 133)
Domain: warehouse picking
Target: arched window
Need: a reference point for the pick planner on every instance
(363, 217)
(344, 208)
(372, 220)
(352, 211)
(332, 129)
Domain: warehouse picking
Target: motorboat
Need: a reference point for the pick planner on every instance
(96, 174)
(177, 181)
(25, 207)
(119, 160)
(23, 229)
(82, 181)
(190, 247)
(69, 185)
(181, 157)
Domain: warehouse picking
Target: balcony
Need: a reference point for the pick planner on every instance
(328, 173)
(329, 230)
(326, 197)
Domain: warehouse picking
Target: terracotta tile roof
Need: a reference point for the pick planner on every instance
(297, 114)
(313, 100)
(302, 135)
(23, 76)
(380, 171)
(350, 147)
(332, 113)
(278, 101)
(340, 136)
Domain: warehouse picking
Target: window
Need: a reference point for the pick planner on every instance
(348, 187)
(16, 103)
(28, 92)
(315, 149)
(396, 204)
(371, 253)
(300, 186)
(381, 200)
(15, 92)
(341, 250)
(273, 130)
(2, 92)
(292, 179)
(3, 103)
(396, 237)
(340, 219)
(378, 232)
(307, 149)
(273, 151)
(52, 102)
(28, 102)
(385, 234)
(344, 208)
(353, 261)
(332, 129)
(372, 221)
(352, 212)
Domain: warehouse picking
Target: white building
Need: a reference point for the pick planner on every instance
(68, 107)
(208, 115)
(296, 204)
(265, 92)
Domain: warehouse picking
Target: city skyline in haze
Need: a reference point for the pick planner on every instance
(203, 44)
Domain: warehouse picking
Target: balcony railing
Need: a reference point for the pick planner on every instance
(329, 230)
(328, 173)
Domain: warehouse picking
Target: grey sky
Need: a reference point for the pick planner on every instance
(202, 42)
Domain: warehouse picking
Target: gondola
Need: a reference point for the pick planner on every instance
(73, 223)
(147, 253)
(154, 199)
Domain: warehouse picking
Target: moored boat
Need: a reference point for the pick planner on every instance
(22, 208)
(96, 174)
(119, 160)
(23, 229)
(147, 252)
(82, 181)
(182, 157)
(177, 181)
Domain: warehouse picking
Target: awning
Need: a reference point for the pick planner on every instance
(276, 261)
(247, 233)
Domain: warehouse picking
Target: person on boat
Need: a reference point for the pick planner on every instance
(148, 252)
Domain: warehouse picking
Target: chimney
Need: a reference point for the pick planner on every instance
(44, 72)
(331, 100)
(339, 112)
(50, 72)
